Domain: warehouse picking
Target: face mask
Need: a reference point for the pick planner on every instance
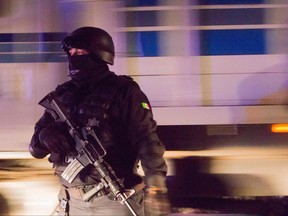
(79, 66)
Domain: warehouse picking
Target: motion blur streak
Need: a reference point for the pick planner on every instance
(215, 72)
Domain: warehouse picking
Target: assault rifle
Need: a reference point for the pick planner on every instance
(90, 151)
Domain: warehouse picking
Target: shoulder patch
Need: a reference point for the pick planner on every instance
(145, 105)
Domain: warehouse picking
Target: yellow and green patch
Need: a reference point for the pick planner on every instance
(145, 105)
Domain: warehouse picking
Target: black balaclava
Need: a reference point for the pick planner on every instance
(83, 68)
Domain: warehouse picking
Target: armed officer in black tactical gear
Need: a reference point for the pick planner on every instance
(120, 114)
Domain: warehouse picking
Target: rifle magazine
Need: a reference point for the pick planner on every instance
(72, 170)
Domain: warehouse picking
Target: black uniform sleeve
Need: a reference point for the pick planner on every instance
(36, 148)
(141, 130)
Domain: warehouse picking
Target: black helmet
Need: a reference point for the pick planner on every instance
(95, 40)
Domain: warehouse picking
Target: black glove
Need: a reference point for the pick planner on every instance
(157, 202)
(56, 139)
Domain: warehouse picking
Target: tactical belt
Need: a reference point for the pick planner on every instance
(86, 192)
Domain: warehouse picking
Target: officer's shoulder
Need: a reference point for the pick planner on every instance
(129, 83)
(65, 86)
(125, 77)
(121, 80)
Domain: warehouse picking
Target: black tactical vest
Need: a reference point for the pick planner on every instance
(91, 104)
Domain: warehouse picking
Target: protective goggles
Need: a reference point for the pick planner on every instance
(73, 42)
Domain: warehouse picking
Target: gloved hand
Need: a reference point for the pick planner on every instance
(56, 139)
(156, 202)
